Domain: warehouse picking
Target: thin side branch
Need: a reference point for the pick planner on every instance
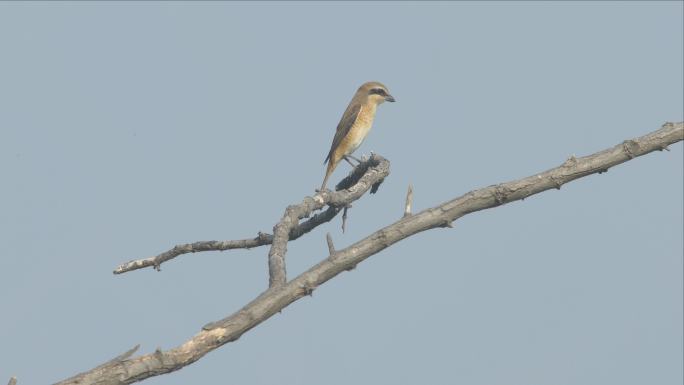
(260, 240)
(344, 217)
(275, 299)
(409, 201)
(331, 246)
(123, 356)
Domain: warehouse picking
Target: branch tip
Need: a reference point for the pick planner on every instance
(127, 353)
(409, 200)
(571, 161)
(331, 246)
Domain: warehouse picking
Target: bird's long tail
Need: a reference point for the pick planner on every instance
(328, 172)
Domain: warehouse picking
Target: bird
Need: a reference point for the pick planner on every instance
(355, 124)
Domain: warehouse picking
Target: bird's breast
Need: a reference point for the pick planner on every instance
(360, 128)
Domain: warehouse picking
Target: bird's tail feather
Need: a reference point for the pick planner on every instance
(328, 172)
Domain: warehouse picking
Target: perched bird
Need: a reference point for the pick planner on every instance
(355, 124)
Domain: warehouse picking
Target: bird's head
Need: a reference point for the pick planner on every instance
(375, 92)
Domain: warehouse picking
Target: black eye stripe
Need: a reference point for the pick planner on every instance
(377, 91)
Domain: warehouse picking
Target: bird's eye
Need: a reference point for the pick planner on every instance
(378, 91)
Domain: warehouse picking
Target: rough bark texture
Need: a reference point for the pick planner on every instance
(128, 370)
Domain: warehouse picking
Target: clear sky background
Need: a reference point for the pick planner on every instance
(127, 128)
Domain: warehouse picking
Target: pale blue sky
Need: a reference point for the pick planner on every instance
(126, 128)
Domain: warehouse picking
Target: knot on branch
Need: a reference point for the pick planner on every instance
(263, 237)
(570, 162)
(556, 183)
(631, 148)
(308, 289)
(501, 194)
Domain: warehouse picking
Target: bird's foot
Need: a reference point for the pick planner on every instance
(356, 159)
(346, 158)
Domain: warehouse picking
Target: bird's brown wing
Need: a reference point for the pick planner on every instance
(343, 127)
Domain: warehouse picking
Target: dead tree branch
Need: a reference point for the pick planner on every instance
(362, 178)
(277, 297)
(368, 174)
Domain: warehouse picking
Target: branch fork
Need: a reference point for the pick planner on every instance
(369, 174)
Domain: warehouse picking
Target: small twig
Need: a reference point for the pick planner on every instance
(122, 356)
(156, 261)
(331, 246)
(409, 201)
(344, 218)
(260, 240)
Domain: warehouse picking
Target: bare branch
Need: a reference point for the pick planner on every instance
(409, 201)
(260, 240)
(276, 298)
(375, 164)
(360, 180)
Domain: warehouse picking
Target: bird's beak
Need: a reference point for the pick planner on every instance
(389, 98)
